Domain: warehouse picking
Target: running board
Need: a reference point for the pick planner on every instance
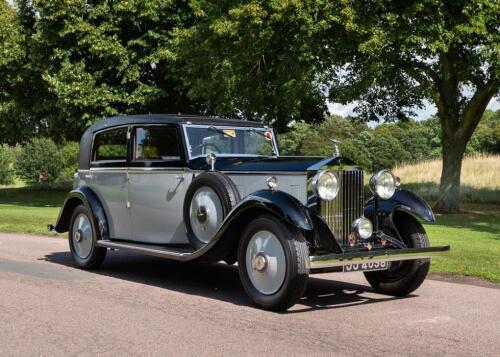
(172, 253)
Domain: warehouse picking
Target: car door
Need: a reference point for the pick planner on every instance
(157, 185)
(108, 178)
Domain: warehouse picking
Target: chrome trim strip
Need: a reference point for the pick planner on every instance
(260, 173)
(188, 170)
(156, 170)
(339, 260)
(139, 169)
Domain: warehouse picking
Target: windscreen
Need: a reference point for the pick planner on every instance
(229, 141)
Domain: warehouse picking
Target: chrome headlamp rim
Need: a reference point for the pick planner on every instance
(374, 180)
(316, 181)
(362, 232)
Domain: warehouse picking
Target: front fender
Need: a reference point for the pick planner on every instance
(402, 200)
(278, 203)
(86, 196)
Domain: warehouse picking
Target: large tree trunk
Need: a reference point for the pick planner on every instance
(449, 189)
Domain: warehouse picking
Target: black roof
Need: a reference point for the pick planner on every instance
(168, 119)
(86, 141)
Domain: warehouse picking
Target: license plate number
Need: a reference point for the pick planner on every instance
(368, 266)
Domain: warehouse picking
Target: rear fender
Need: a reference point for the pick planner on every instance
(86, 196)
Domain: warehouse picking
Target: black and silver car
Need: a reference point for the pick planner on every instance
(191, 188)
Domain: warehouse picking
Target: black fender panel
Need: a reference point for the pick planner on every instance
(86, 196)
(278, 203)
(402, 200)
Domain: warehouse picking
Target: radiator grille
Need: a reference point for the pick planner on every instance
(347, 206)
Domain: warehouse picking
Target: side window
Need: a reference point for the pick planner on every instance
(110, 145)
(156, 143)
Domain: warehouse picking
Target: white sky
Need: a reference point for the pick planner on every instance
(430, 109)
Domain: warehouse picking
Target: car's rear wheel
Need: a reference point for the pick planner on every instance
(83, 240)
(209, 198)
(272, 263)
(403, 277)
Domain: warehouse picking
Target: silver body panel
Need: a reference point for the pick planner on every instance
(156, 201)
(293, 184)
(111, 186)
(146, 205)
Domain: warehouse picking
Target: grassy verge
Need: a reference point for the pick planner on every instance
(475, 242)
(474, 237)
(24, 210)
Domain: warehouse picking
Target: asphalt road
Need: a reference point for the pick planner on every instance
(137, 305)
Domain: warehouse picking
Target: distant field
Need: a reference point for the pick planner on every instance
(480, 178)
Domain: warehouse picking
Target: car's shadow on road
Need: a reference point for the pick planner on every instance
(219, 281)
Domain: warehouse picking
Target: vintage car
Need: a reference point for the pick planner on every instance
(191, 188)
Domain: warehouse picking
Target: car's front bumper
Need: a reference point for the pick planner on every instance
(318, 262)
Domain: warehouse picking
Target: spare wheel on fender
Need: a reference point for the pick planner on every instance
(209, 198)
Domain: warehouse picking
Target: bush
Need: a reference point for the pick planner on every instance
(7, 160)
(39, 161)
(69, 154)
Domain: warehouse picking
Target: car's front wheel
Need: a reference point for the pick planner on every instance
(403, 277)
(272, 263)
(83, 240)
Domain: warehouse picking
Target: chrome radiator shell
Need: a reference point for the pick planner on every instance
(346, 207)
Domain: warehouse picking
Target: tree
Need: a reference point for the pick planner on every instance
(407, 52)
(89, 60)
(273, 60)
(12, 53)
(255, 59)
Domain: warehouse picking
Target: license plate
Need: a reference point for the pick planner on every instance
(368, 266)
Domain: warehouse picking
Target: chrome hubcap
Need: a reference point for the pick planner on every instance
(202, 214)
(260, 262)
(266, 262)
(206, 214)
(82, 236)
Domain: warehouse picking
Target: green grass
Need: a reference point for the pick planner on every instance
(24, 210)
(475, 242)
(474, 237)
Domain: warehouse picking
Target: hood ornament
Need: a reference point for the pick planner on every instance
(336, 151)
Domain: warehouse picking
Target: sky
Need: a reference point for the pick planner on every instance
(430, 109)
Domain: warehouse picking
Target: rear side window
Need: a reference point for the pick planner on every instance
(110, 145)
(156, 143)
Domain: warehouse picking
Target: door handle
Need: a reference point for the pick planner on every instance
(88, 176)
(179, 177)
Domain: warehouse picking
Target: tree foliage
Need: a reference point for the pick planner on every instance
(385, 145)
(256, 59)
(263, 57)
(39, 161)
(12, 76)
(90, 60)
(66, 64)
